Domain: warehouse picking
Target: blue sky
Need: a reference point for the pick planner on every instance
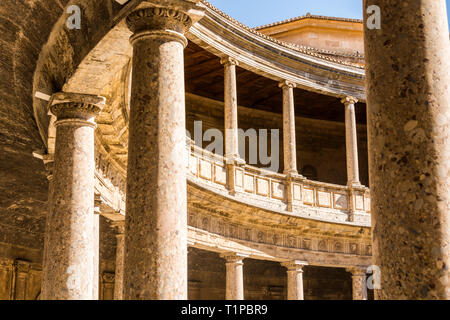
(258, 12)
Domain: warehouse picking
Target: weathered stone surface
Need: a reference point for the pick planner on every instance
(408, 111)
(70, 266)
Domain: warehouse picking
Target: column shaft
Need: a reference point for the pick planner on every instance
(408, 83)
(68, 266)
(234, 277)
(295, 280)
(120, 252)
(351, 142)
(289, 140)
(359, 283)
(156, 224)
(231, 110)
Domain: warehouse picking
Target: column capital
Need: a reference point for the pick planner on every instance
(229, 61)
(119, 226)
(357, 271)
(164, 19)
(76, 106)
(349, 100)
(295, 265)
(231, 257)
(287, 84)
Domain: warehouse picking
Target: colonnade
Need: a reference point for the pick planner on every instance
(153, 260)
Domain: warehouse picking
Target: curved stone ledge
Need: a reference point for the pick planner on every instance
(267, 190)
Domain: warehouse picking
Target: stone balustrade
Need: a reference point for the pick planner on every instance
(316, 200)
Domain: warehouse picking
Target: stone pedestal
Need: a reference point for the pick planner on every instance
(295, 279)
(407, 70)
(289, 144)
(351, 140)
(235, 276)
(156, 224)
(120, 252)
(68, 266)
(359, 283)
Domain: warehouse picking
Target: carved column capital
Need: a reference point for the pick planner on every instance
(73, 107)
(287, 84)
(349, 100)
(295, 265)
(357, 271)
(229, 61)
(233, 258)
(119, 226)
(164, 19)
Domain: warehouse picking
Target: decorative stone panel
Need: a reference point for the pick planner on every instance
(308, 196)
(278, 190)
(262, 187)
(340, 201)
(220, 175)
(324, 199)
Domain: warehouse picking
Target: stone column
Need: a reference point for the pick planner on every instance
(231, 110)
(68, 268)
(359, 284)
(120, 251)
(351, 140)
(231, 121)
(289, 144)
(295, 279)
(408, 83)
(155, 264)
(235, 276)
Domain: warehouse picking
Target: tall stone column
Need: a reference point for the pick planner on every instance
(120, 251)
(351, 142)
(231, 110)
(359, 284)
(295, 279)
(156, 224)
(231, 121)
(68, 268)
(408, 83)
(289, 144)
(235, 276)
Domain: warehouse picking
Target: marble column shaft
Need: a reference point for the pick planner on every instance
(408, 83)
(68, 266)
(234, 276)
(359, 283)
(155, 264)
(231, 110)
(120, 252)
(295, 279)
(289, 139)
(351, 140)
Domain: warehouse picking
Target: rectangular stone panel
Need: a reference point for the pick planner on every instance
(239, 178)
(359, 202)
(367, 203)
(340, 201)
(308, 196)
(205, 170)
(249, 183)
(193, 165)
(262, 187)
(220, 175)
(297, 192)
(278, 190)
(324, 199)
